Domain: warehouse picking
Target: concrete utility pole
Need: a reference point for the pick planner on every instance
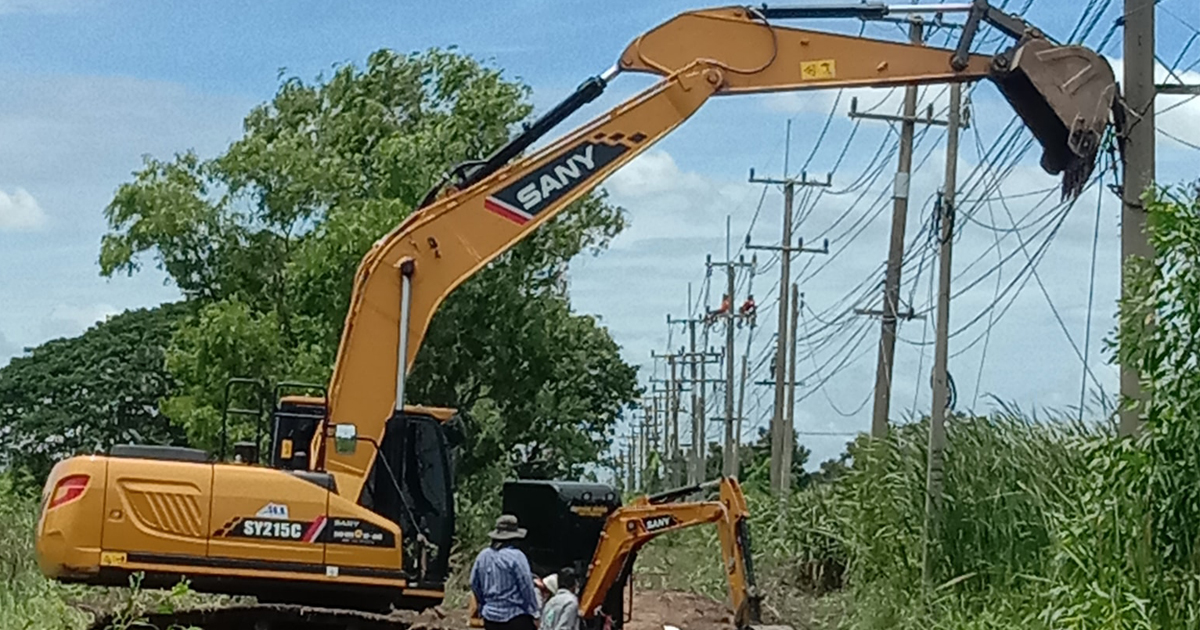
(696, 461)
(675, 463)
(693, 377)
(619, 471)
(1139, 164)
(941, 390)
(742, 399)
(780, 432)
(673, 415)
(785, 462)
(729, 463)
(732, 315)
(696, 361)
(643, 451)
(891, 284)
(632, 459)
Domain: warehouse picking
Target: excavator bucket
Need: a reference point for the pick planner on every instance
(1064, 94)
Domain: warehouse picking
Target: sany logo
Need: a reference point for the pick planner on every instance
(655, 523)
(521, 200)
(274, 511)
(534, 193)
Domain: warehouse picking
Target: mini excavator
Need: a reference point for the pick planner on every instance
(348, 509)
(583, 526)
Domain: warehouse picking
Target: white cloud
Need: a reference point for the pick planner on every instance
(677, 217)
(82, 317)
(71, 159)
(666, 201)
(20, 211)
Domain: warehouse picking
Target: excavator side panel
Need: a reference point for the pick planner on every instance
(362, 542)
(156, 508)
(271, 519)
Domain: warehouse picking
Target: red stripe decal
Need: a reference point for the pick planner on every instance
(504, 212)
(314, 529)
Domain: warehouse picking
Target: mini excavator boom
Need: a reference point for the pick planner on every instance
(629, 528)
(352, 505)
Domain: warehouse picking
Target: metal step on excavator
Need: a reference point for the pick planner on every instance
(342, 512)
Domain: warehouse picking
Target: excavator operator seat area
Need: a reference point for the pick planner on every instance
(563, 518)
(411, 484)
(294, 422)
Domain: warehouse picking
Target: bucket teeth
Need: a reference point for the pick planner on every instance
(1064, 95)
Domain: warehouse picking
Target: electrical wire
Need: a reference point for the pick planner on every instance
(1087, 328)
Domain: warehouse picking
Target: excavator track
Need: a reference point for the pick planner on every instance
(263, 617)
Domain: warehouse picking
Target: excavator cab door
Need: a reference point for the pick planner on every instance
(411, 485)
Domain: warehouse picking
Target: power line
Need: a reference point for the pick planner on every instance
(1087, 328)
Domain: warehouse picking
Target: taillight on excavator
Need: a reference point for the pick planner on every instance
(67, 489)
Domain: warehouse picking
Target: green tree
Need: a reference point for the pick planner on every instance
(266, 238)
(89, 392)
(754, 461)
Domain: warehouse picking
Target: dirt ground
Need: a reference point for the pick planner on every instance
(687, 611)
(652, 609)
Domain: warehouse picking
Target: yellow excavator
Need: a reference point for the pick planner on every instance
(605, 537)
(351, 511)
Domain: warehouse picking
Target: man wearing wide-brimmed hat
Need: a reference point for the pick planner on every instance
(502, 581)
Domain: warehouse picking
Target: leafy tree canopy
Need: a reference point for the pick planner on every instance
(265, 238)
(754, 461)
(89, 392)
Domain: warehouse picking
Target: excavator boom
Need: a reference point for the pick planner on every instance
(493, 204)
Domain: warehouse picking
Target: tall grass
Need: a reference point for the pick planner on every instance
(27, 600)
(1005, 476)
(853, 549)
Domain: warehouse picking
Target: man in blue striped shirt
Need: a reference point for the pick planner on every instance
(502, 581)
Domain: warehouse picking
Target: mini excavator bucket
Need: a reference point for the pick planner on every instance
(1064, 94)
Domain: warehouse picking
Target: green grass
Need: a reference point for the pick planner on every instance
(848, 554)
(27, 600)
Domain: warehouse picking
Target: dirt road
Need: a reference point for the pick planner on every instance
(654, 609)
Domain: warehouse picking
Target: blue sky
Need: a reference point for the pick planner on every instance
(91, 86)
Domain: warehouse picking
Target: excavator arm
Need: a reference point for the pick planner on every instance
(489, 206)
(630, 527)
